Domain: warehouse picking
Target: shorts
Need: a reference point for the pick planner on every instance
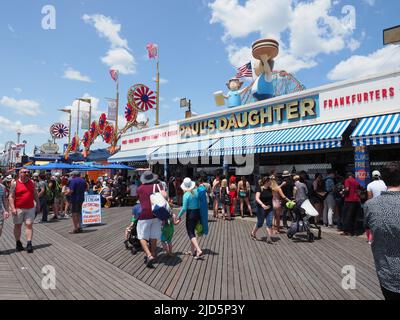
(1, 219)
(192, 219)
(149, 229)
(24, 215)
(57, 200)
(264, 215)
(76, 208)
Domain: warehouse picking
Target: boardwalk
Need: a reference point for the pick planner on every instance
(95, 265)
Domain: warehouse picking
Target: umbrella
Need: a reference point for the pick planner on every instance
(114, 167)
(61, 166)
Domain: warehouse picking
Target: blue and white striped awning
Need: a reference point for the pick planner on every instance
(183, 150)
(232, 145)
(132, 155)
(377, 130)
(322, 136)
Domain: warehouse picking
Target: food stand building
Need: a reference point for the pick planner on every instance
(350, 125)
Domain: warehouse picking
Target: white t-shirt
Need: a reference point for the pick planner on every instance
(376, 187)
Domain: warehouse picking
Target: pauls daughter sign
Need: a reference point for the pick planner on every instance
(283, 113)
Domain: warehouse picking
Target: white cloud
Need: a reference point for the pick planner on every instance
(118, 56)
(176, 99)
(353, 44)
(369, 2)
(64, 117)
(18, 90)
(24, 107)
(121, 60)
(311, 27)
(26, 129)
(107, 28)
(254, 16)
(10, 28)
(72, 74)
(383, 60)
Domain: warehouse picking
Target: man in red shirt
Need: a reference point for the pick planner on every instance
(22, 199)
(352, 205)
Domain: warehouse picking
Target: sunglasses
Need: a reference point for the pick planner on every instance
(26, 172)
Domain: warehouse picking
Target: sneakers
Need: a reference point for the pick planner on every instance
(29, 247)
(19, 247)
(149, 262)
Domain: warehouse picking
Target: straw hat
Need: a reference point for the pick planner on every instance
(148, 177)
(285, 174)
(188, 184)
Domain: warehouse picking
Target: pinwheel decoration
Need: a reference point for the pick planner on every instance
(130, 113)
(93, 130)
(108, 133)
(86, 140)
(75, 144)
(59, 131)
(102, 122)
(141, 98)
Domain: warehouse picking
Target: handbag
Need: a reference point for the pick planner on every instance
(159, 205)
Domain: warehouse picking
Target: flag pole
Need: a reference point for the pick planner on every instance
(158, 89)
(90, 113)
(116, 117)
(69, 125)
(79, 111)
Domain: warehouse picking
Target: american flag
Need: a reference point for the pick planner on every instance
(244, 71)
(114, 74)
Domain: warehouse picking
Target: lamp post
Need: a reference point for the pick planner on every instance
(24, 142)
(185, 103)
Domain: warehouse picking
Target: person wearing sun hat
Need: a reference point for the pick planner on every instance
(191, 206)
(148, 227)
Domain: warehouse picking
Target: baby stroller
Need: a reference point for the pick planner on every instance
(133, 243)
(303, 220)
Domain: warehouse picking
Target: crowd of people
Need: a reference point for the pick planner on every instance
(339, 201)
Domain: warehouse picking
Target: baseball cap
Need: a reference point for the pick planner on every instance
(376, 173)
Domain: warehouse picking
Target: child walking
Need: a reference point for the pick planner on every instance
(167, 233)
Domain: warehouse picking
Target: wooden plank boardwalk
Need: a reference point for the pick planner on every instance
(235, 268)
(80, 274)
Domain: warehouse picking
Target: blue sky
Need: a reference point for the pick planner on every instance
(201, 43)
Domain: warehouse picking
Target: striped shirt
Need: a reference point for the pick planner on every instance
(382, 216)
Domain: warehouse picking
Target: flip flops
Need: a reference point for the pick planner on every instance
(190, 253)
(253, 237)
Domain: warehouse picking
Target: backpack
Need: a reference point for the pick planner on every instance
(48, 192)
(159, 205)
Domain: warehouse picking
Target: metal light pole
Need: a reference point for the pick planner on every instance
(24, 142)
(69, 125)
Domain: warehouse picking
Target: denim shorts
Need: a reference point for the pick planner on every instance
(264, 215)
